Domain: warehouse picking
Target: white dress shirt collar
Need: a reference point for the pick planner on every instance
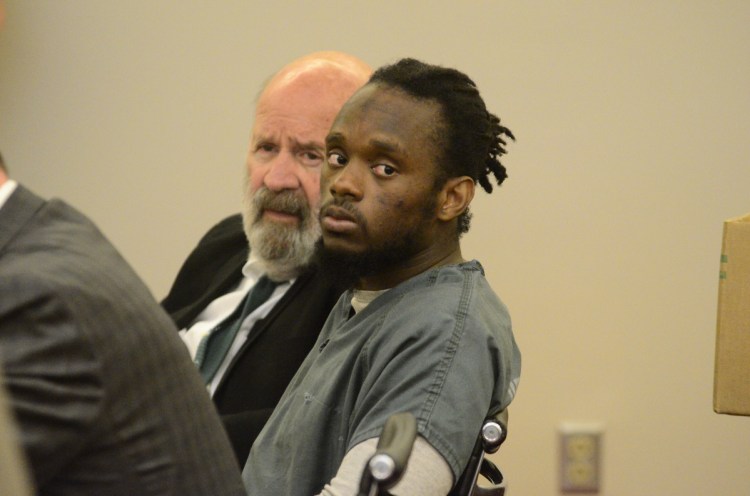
(253, 268)
(6, 190)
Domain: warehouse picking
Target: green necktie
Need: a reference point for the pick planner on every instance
(214, 347)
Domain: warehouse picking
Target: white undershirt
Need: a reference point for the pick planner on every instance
(222, 307)
(427, 473)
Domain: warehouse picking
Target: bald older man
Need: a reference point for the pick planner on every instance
(247, 300)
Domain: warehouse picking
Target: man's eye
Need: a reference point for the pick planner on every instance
(384, 170)
(311, 158)
(265, 147)
(336, 159)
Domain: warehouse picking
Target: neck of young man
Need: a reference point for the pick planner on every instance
(415, 265)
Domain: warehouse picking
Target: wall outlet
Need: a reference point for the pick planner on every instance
(580, 457)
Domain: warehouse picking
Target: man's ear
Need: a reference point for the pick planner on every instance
(455, 197)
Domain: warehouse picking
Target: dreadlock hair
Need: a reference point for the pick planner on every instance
(472, 139)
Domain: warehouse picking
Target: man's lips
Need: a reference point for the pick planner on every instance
(338, 220)
(280, 216)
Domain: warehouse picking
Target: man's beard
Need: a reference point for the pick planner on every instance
(345, 269)
(283, 250)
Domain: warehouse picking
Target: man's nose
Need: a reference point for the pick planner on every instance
(283, 173)
(346, 182)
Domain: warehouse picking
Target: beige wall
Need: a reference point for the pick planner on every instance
(632, 125)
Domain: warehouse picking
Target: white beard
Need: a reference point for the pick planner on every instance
(282, 250)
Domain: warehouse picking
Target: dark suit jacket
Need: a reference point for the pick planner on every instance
(106, 396)
(276, 345)
(14, 477)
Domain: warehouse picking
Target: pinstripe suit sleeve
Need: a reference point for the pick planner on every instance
(104, 391)
(51, 374)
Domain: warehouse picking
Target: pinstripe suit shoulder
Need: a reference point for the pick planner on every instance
(105, 393)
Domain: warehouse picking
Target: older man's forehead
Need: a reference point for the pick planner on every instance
(301, 136)
(295, 119)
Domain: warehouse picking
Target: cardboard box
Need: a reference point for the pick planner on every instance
(732, 365)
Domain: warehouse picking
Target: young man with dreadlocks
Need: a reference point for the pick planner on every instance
(421, 330)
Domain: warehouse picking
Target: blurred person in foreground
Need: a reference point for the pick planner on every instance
(14, 478)
(105, 396)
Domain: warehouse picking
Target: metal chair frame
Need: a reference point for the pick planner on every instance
(492, 434)
(385, 467)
